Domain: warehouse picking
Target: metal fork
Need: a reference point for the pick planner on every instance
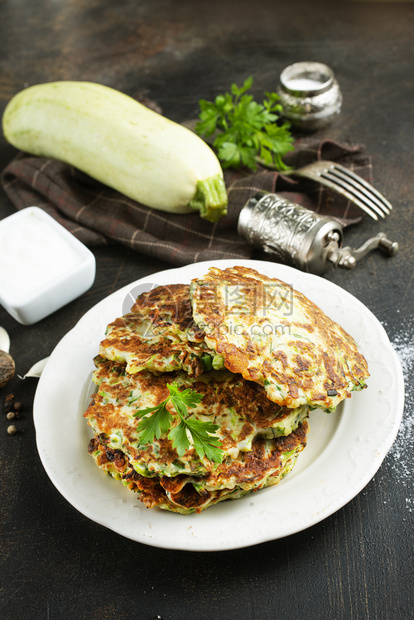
(348, 184)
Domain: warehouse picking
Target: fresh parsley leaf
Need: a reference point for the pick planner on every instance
(178, 436)
(156, 421)
(230, 153)
(188, 397)
(204, 440)
(245, 132)
(155, 425)
(248, 83)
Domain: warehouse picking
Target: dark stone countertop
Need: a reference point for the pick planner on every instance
(355, 564)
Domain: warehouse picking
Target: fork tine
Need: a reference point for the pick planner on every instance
(348, 184)
(337, 186)
(364, 186)
(353, 190)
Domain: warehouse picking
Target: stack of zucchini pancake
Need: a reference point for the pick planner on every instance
(204, 390)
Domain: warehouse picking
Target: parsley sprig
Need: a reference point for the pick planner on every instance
(245, 132)
(156, 421)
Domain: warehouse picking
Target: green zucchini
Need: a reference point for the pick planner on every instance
(116, 140)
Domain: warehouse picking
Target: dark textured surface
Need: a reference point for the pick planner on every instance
(358, 562)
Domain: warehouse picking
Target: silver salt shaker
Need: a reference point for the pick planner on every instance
(310, 95)
(299, 237)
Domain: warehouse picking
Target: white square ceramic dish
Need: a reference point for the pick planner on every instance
(42, 265)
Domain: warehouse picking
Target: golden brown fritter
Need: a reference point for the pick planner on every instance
(264, 465)
(239, 408)
(159, 334)
(275, 336)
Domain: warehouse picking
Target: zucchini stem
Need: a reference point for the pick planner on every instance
(210, 198)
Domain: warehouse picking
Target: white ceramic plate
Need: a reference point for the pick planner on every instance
(344, 451)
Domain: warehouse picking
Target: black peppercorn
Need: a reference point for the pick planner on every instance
(8, 403)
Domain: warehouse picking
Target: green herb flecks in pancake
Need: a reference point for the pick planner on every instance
(239, 408)
(160, 335)
(275, 336)
(265, 465)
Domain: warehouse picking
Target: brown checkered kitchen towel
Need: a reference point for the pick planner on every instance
(96, 214)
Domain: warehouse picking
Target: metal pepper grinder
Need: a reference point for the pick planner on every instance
(300, 237)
